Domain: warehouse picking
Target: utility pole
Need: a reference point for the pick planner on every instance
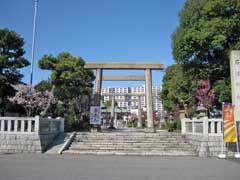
(33, 40)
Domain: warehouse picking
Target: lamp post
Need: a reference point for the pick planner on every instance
(33, 40)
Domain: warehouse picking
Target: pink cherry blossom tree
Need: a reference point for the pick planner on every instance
(32, 101)
(205, 94)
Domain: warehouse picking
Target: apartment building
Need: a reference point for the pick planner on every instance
(132, 102)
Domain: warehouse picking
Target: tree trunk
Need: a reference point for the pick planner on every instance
(49, 103)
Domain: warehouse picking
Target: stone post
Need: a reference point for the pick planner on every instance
(205, 125)
(139, 124)
(9, 122)
(37, 125)
(219, 127)
(112, 111)
(61, 127)
(183, 125)
(115, 120)
(148, 75)
(2, 125)
(98, 85)
(193, 126)
(97, 95)
(235, 86)
(15, 125)
(235, 82)
(181, 114)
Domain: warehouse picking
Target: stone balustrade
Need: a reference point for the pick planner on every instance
(202, 126)
(205, 135)
(30, 125)
(16, 125)
(28, 134)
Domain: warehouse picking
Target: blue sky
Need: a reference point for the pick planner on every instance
(96, 30)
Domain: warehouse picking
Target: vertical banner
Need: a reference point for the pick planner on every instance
(95, 115)
(229, 124)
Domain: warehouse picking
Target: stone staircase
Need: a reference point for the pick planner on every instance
(131, 143)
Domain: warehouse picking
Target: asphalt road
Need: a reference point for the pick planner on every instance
(68, 167)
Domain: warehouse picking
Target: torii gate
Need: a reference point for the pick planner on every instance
(148, 67)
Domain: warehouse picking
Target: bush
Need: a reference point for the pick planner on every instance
(178, 125)
(171, 126)
(71, 118)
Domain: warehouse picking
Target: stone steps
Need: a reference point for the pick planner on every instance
(134, 143)
(128, 141)
(127, 136)
(129, 148)
(131, 140)
(134, 153)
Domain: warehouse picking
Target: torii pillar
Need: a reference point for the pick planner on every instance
(98, 86)
(148, 74)
(139, 123)
(112, 119)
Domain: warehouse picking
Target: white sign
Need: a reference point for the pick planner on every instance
(95, 117)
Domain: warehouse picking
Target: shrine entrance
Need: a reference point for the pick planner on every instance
(148, 67)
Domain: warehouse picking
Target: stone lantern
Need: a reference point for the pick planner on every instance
(202, 111)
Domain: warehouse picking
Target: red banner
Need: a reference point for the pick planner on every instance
(230, 134)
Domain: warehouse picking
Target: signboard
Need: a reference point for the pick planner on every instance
(229, 124)
(95, 117)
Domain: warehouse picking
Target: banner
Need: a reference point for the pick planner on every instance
(230, 134)
(95, 117)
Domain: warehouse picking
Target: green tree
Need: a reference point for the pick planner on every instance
(108, 103)
(44, 85)
(208, 30)
(68, 75)
(177, 89)
(70, 81)
(222, 90)
(11, 61)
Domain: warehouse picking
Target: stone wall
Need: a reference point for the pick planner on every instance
(28, 134)
(46, 140)
(206, 136)
(206, 146)
(25, 143)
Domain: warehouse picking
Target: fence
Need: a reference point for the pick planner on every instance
(202, 126)
(30, 125)
(205, 135)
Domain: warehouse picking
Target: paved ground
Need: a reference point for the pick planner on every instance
(69, 167)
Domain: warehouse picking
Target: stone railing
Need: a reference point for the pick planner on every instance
(28, 134)
(202, 126)
(206, 135)
(30, 125)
